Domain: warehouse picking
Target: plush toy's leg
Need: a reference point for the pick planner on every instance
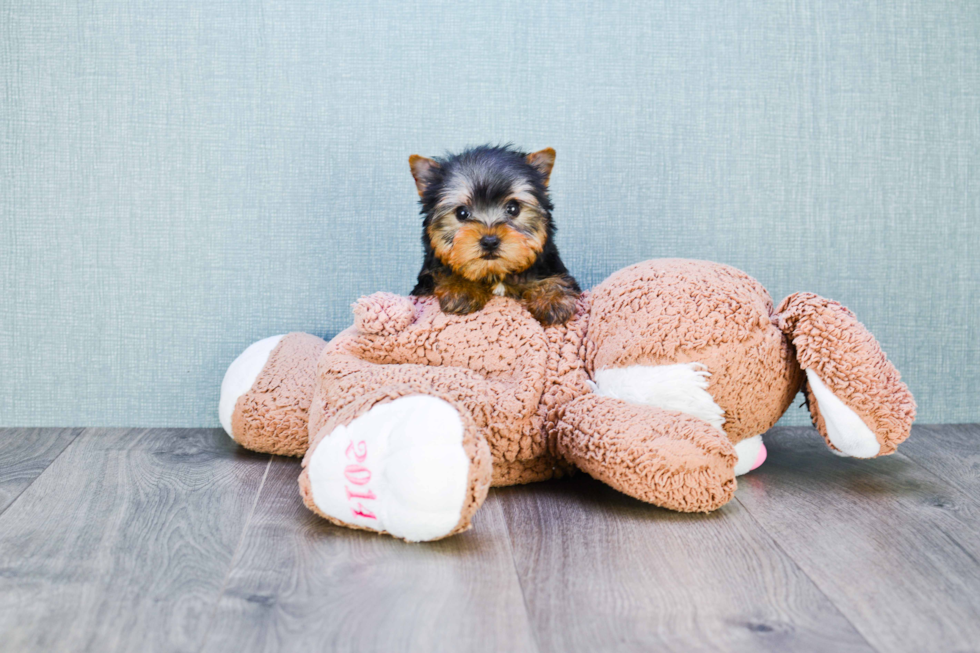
(855, 395)
(399, 462)
(656, 455)
(266, 394)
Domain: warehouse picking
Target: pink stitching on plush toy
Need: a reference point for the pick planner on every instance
(367, 495)
(359, 452)
(363, 512)
(357, 474)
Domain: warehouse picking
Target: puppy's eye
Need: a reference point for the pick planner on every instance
(512, 208)
(462, 213)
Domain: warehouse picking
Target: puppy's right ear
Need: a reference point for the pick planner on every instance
(422, 169)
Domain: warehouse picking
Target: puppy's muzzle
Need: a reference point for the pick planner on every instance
(489, 244)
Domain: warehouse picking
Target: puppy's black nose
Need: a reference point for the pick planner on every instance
(490, 243)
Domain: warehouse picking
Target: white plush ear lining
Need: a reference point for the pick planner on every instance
(845, 429)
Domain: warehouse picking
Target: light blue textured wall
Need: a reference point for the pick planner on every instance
(180, 179)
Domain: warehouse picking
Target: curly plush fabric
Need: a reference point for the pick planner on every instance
(525, 392)
(499, 364)
(272, 416)
(389, 313)
(679, 311)
(663, 457)
(830, 341)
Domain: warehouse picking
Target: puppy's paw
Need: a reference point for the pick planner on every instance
(459, 304)
(551, 301)
(460, 296)
(557, 312)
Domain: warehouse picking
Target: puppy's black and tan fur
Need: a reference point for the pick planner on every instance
(487, 230)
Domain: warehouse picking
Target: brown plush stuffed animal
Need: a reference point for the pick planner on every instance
(661, 386)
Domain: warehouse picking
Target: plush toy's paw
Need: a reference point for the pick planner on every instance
(402, 467)
(383, 313)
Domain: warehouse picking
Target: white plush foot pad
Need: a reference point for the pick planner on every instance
(751, 454)
(400, 468)
(845, 429)
(241, 375)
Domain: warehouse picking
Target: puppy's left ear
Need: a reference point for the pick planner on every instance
(543, 161)
(422, 169)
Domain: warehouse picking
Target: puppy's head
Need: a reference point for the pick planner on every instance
(487, 211)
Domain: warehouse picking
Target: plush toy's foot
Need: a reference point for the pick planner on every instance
(856, 397)
(413, 466)
(266, 393)
(656, 455)
(240, 376)
(751, 454)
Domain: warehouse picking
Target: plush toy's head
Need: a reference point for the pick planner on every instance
(693, 336)
(486, 211)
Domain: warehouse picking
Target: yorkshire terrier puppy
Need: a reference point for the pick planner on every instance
(487, 230)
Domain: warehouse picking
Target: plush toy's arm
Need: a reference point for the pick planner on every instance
(660, 456)
(501, 342)
(383, 313)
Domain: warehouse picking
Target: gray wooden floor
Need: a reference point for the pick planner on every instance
(177, 540)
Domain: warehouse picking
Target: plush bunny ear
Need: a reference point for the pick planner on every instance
(543, 161)
(422, 169)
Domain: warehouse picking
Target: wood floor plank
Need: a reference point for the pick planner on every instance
(124, 542)
(951, 451)
(300, 583)
(604, 572)
(893, 545)
(24, 454)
